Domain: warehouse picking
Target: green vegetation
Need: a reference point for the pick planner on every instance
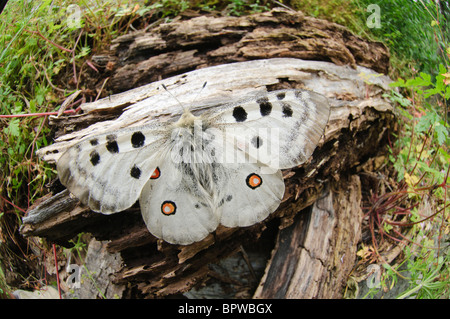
(415, 31)
(45, 49)
(416, 213)
(417, 34)
(345, 12)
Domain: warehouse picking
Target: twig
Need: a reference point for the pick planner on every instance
(249, 264)
(282, 5)
(67, 102)
(39, 114)
(73, 58)
(101, 89)
(38, 33)
(57, 272)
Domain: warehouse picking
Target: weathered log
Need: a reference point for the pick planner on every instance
(358, 128)
(172, 48)
(313, 257)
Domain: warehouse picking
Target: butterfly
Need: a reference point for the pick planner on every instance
(190, 175)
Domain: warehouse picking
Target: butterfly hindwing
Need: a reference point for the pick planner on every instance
(174, 208)
(108, 171)
(252, 194)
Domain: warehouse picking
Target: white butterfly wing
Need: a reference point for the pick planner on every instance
(108, 171)
(249, 195)
(243, 190)
(280, 129)
(174, 207)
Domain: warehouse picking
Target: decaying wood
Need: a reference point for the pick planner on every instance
(96, 274)
(181, 46)
(313, 257)
(359, 125)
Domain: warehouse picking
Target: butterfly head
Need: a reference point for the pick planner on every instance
(186, 120)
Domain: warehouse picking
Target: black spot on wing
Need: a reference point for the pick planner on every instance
(265, 107)
(298, 95)
(137, 139)
(135, 172)
(287, 110)
(257, 141)
(239, 114)
(281, 96)
(93, 142)
(94, 157)
(112, 145)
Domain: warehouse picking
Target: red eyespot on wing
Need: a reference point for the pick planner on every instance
(156, 174)
(253, 181)
(168, 208)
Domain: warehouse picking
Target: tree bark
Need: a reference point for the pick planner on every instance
(172, 48)
(313, 257)
(358, 130)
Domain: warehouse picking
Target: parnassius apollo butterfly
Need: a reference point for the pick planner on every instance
(221, 167)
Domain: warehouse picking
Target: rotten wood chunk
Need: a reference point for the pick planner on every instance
(183, 45)
(360, 123)
(313, 257)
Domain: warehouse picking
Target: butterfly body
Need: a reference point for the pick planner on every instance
(221, 167)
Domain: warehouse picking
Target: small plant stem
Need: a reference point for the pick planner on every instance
(444, 215)
(38, 33)
(73, 59)
(14, 205)
(421, 151)
(57, 272)
(412, 130)
(38, 114)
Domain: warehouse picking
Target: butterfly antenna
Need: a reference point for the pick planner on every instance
(198, 94)
(185, 109)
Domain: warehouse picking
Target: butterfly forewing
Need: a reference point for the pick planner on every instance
(108, 171)
(281, 128)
